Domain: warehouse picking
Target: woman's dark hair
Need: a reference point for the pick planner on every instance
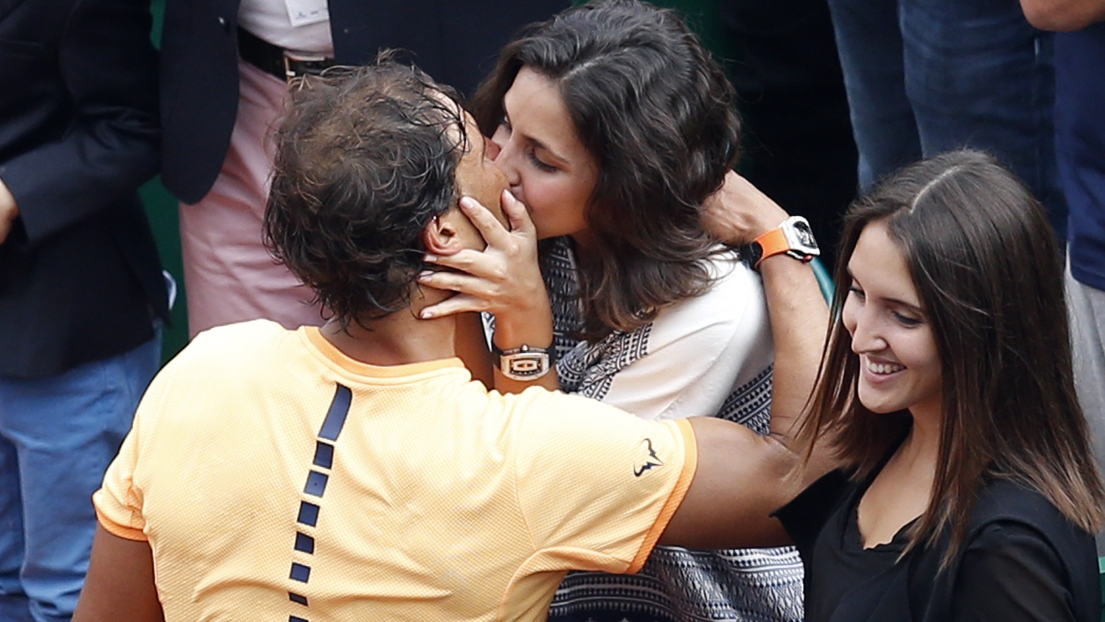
(365, 158)
(657, 113)
(988, 272)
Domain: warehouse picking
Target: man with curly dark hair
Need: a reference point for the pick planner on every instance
(357, 471)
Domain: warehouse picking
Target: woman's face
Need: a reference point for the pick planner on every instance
(898, 362)
(546, 165)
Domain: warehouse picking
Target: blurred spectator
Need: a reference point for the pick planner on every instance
(929, 76)
(1080, 149)
(80, 282)
(223, 85)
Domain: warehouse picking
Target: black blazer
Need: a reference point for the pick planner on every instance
(79, 274)
(455, 41)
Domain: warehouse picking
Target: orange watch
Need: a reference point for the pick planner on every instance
(793, 236)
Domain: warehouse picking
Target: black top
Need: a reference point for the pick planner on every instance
(1022, 560)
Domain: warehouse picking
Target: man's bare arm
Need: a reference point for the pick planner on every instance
(120, 582)
(741, 478)
(737, 214)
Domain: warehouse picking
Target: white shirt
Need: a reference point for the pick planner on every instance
(271, 20)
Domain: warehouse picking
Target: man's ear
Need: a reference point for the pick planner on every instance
(440, 235)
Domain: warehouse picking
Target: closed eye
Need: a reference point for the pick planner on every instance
(906, 320)
(531, 155)
(530, 152)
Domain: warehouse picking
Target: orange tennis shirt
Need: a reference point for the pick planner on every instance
(277, 479)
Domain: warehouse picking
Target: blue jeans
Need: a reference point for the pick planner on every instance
(57, 436)
(928, 76)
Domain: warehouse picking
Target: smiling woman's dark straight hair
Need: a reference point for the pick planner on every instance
(987, 269)
(657, 113)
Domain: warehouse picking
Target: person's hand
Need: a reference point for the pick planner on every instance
(503, 279)
(739, 213)
(8, 211)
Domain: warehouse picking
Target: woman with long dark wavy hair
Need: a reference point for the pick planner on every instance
(614, 126)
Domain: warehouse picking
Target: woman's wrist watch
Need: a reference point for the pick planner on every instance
(793, 237)
(524, 363)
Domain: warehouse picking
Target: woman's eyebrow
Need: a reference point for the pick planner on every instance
(907, 305)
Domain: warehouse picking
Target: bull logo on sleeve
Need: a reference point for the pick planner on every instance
(652, 461)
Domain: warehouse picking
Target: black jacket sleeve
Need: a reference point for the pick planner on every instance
(89, 135)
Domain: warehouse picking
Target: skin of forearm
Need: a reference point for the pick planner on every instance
(799, 320)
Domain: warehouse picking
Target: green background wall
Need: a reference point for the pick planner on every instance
(162, 210)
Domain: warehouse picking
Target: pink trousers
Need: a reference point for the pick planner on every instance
(229, 276)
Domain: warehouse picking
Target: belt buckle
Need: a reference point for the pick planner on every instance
(298, 64)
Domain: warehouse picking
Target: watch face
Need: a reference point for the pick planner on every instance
(524, 365)
(529, 364)
(805, 234)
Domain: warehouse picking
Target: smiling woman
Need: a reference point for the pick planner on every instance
(890, 331)
(970, 492)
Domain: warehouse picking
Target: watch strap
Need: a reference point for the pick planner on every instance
(772, 243)
(522, 348)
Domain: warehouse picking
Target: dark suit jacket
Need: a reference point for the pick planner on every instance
(455, 41)
(79, 273)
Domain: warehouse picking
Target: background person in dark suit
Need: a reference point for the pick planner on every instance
(80, 281)
(222, 88)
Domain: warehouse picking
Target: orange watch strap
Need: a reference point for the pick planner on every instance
(772, 243)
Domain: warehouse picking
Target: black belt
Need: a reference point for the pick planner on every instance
(275, 60)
